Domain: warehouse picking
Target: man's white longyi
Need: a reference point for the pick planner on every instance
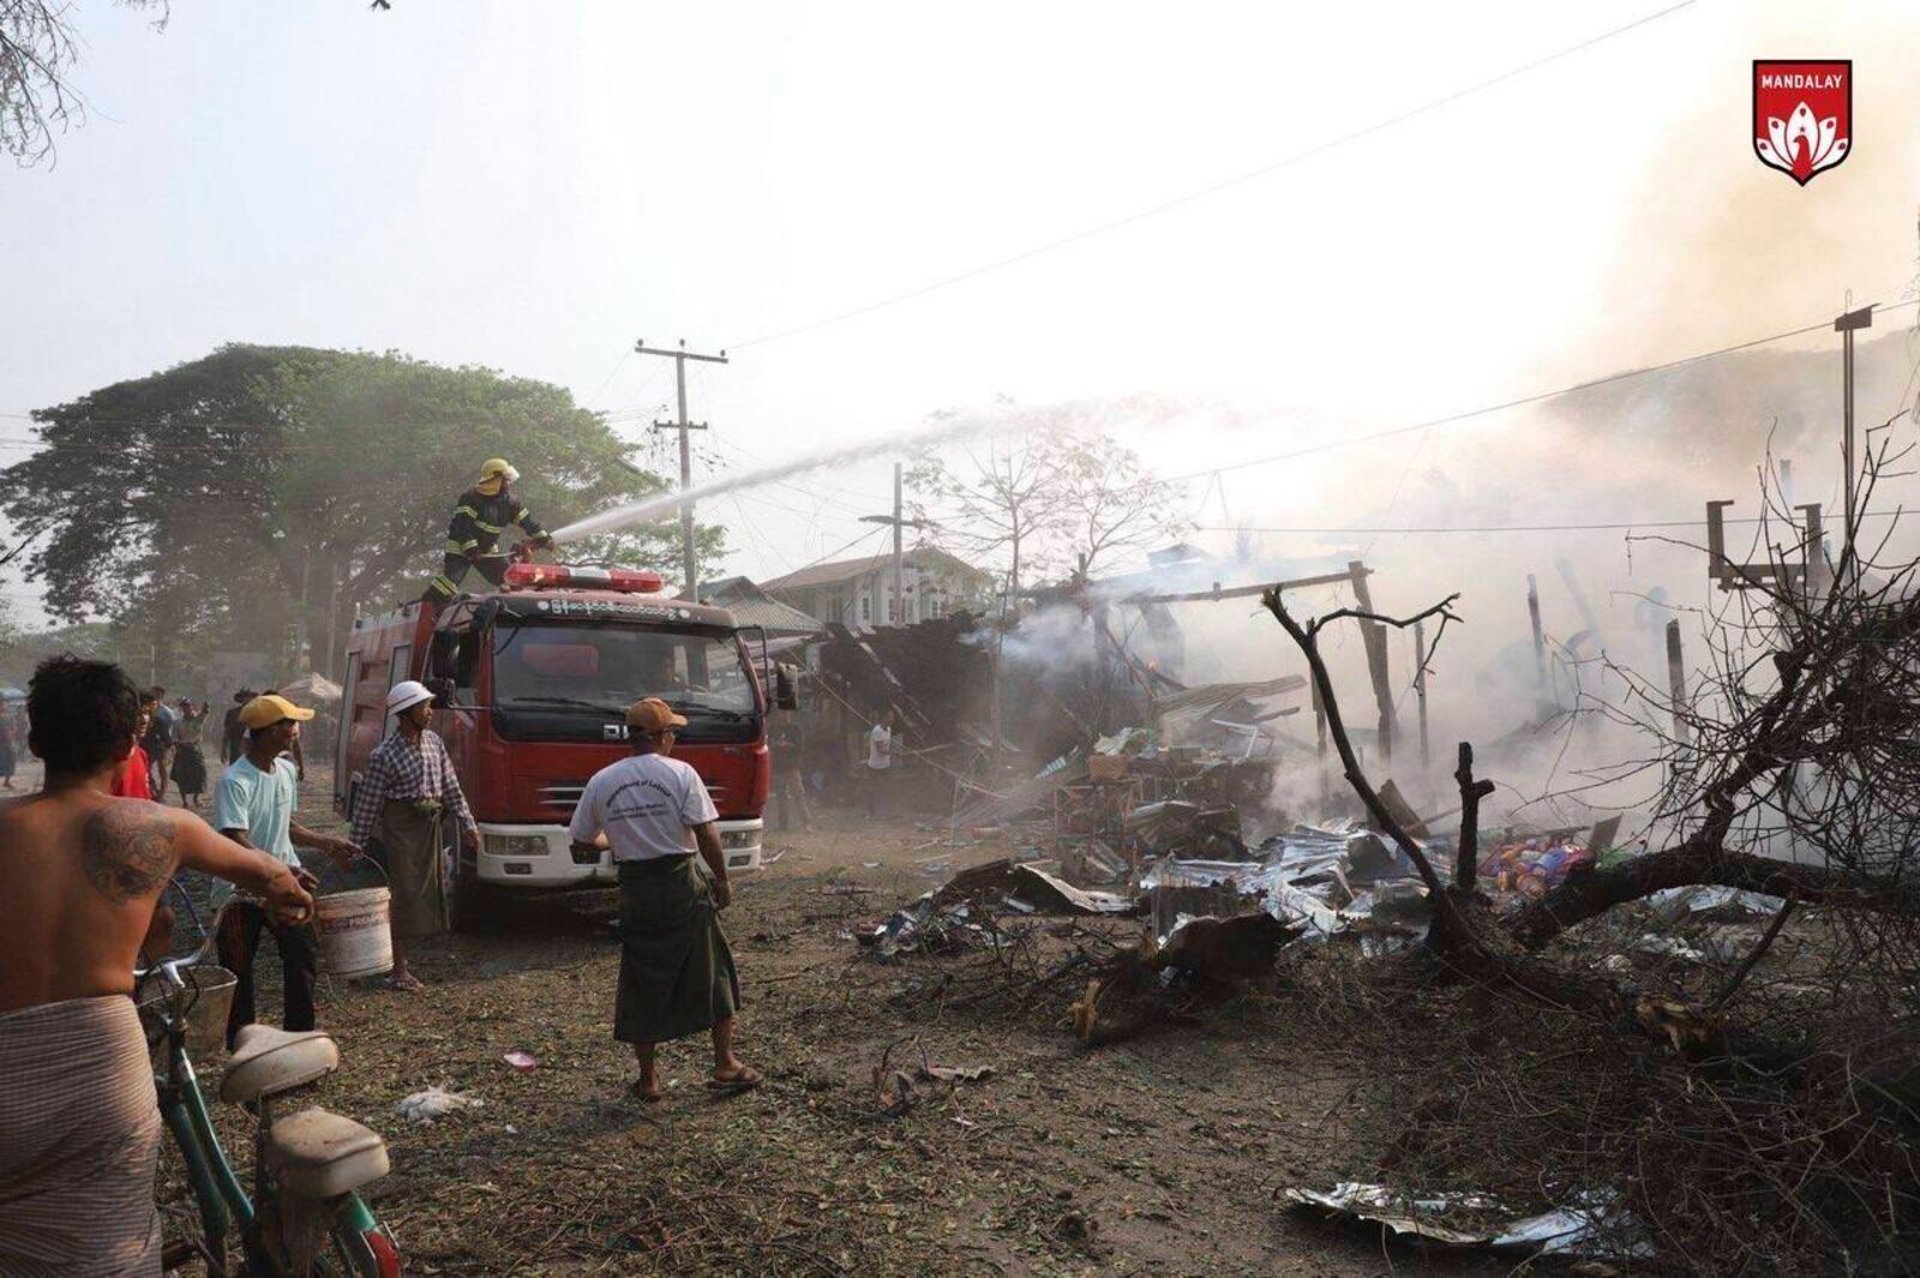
(76, 1193)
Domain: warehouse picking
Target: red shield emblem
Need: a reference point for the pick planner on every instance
(1802, 116)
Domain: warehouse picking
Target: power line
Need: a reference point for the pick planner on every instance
(821, 494)
(1217, 188)
(838, 550)
(617, 366)
(1643, 526)
(1521, 402)
(761, 545)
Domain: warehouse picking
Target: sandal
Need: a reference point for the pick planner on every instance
(744, 1079)
(408, 984)
(650, 1097)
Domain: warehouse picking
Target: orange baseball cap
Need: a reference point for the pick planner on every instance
(652, 715)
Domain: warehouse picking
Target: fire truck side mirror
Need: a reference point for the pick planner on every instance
(786, 695)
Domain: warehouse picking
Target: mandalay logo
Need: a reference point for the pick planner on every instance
(1803, 116)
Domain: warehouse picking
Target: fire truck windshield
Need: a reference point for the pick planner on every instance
(604, 667)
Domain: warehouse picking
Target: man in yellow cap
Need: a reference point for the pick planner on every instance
(483, 512)
(254, 805)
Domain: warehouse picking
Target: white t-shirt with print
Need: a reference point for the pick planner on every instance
(647, 805)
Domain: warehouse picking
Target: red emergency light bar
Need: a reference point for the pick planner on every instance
(526, 576)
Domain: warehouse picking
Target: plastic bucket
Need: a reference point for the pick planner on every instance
(356, 936)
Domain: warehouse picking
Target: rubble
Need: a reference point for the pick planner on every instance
(1326, 881)
(945, 917)
(1229, 949)
(1092, 861)
(1531, 867)
(1714, 904)
(1176, 828)
(1049, 894)
(1587, 1226)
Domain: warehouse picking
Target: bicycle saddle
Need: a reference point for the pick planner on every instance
(317, 1154)
(267, 1061)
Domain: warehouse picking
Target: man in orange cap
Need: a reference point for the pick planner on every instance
(676, 970)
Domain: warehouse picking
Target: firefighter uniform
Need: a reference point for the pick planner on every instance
(484, 512)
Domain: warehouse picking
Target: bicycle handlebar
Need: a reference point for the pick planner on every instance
(170, 969)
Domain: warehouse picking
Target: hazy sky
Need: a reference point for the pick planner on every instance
(534, 186)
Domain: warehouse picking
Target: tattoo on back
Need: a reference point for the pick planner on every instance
(127, 850)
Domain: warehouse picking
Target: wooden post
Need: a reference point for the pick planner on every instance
(1677, 682)
(1319, 719)
(1374, 634)
(1420, 689)
(1357, 574)
(1467, 862)
(1539, 639)
(993, 713)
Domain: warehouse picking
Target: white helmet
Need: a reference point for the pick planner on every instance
(407, 694)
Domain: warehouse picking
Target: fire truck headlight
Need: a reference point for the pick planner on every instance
(516, 845)
(739, 838)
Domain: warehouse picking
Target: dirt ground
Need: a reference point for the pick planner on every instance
(1161, 1155)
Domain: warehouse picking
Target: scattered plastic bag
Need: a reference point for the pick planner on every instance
(955, 1073)
(435, 1104)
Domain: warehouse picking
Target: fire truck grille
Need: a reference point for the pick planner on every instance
(563, 794)
(566, 794)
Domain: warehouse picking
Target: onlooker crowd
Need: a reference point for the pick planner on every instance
(89, 856)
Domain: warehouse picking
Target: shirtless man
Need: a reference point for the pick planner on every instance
(80, 872)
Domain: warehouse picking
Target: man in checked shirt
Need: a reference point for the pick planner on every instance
(399, 808)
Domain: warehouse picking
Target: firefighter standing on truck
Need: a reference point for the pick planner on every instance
(483, 513)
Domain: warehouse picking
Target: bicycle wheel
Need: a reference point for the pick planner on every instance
(356, 1245)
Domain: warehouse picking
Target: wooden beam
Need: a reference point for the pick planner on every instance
(1243, 592)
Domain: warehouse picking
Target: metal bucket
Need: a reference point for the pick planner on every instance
(356, 932)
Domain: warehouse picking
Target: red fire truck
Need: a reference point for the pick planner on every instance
(532, 683)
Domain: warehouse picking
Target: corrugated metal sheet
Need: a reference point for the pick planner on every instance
(777, 617)
(847, 569)
(751, 606)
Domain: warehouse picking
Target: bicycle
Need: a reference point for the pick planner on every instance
(304, 1216)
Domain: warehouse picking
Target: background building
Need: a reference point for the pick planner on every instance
(859, 592)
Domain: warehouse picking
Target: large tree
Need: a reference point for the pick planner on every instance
(258, 496)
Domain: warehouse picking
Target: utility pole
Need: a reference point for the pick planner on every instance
(899, 521)
(899, 559)
(1846, 326)
(690, 585)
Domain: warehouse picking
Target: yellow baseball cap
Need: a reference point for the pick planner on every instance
(264, 712)
(653, 715)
